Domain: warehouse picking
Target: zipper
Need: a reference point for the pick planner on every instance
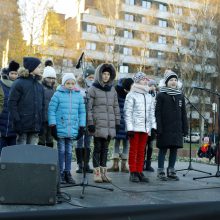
(145, 112)
(70, 112)
(107, 109)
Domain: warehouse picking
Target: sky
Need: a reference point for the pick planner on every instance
(64, 6)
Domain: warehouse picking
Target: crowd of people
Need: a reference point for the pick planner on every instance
(136, 114)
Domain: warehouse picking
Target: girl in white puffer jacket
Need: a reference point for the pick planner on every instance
(139, 113)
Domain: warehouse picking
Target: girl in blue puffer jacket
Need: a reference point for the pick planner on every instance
(67, 119)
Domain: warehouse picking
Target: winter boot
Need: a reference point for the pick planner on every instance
(124, 168)
(68, 177)
(115, 166)
(104, 175)
(161, 174)
(62, 178)
(134, 177)
(142, 178)
(97, 175)
(88, 169)
(147, 166)
(171, 174)
(79, 158)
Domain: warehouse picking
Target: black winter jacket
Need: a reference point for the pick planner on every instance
(171, 120)
(26, 104)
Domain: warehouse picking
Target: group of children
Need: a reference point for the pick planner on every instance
(35, 112)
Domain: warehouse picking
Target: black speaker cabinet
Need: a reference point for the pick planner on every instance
(28, 175)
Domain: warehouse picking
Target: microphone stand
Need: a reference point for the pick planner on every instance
(190, 140)
(218, 150)
(84, 183)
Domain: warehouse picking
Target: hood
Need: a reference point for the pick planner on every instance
(98, 73)
(7, 82)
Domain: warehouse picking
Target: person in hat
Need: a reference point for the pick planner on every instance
(67, 119)
(48, 63)
(152, 84)
(139, 119)
(48, 82)
(103, 118)
(122, 89)
(26, 102)
(8, 135)
(172, 125)
(84, 81)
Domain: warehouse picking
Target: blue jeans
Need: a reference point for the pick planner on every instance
(124, 154)
(172, 158)
(64, 146)
(28, 138)
(86, 140)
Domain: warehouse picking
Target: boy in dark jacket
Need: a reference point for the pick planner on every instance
(171, 123)
(26, 102)
(8, 135)
(49, 80)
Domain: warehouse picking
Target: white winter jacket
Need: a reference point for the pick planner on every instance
(139, 110)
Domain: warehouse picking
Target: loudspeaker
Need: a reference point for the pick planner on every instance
(28, 175)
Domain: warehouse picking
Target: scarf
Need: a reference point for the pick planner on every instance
(170, 91)
(136, 87)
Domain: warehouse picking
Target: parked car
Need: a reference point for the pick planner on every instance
(195, 138)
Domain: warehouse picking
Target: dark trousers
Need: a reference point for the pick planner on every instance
(7, 141)
(172, 157)
(100, 152)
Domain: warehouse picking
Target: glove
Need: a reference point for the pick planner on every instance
(130, 134)
(54, 132)
(117, 127)
(91, 128)
(153, 133)
(81, 132)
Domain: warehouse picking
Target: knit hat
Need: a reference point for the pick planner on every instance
(139, 76)
(49, 72)
(152, 82)
(168, 75)
(106, 69)
(206, 139)
(13, 66)
(48, 63)
(67, 76)
(89, 70)
(31, 63)
(126, 83)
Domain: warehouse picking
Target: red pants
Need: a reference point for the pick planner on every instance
(136, 152)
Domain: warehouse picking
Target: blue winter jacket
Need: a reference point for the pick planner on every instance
(67, 111)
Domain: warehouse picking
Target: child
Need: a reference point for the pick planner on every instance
(122, 90)
(49, 80)
(140, 119)
(171, 123)
(149, 148)
(206, 150)
(8, 135)
(26, 102)
(103, 118)
(84, 82)
(66, 117)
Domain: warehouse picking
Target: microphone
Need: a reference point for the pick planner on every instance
(78, 65)
(197, 87)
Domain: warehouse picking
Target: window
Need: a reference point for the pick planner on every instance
(177, 42)
(162, 40)
(162, 23)
(129, 17)
(128, 34)
(146, 4)
(193, 29)
(90, 46)
(109, 48)
(162, 7)
(127, 51)
(144, 20)
(123, 69)
(160, 55)
(179, 11)
(179, 27)
(191, 44)
(91, 28)
(145, 53)
(129, 2)
(110, 31)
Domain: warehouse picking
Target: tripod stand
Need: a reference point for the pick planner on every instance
(84, 183)
(190, 140)
(217, 153)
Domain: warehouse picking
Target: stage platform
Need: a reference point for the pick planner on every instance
(127, 194)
